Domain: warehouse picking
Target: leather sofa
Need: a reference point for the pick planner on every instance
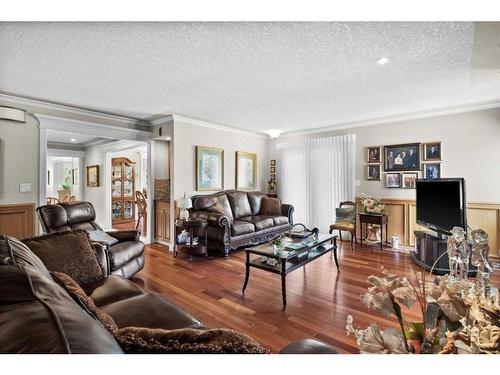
(39, 316)
(126, 256)
(241, 222)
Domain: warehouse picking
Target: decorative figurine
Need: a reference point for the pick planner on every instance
(458, 254)
(480, 258)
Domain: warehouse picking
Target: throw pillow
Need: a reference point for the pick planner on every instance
(157, 340)
(271, 207)
(70, 252)
(345, 214)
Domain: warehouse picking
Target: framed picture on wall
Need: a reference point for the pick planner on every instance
(272, 177)
(93, 176)
(273, 162)
(408, 180)
(432, 170)
(373, 154)
(373, 172)
(403, 157)
(432, 151)
(209, 168)
(272, 170)
(246, 170)
(393, 180)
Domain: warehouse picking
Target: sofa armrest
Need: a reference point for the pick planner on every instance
(287, 210)
(214, 219)
(102, 257)
(125, 235)
(308, 346)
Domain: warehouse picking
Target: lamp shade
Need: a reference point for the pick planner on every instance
(185, 203)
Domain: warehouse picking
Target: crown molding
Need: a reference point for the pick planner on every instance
(162, 120)
(215, 126)
(401, 117)
(70, 110)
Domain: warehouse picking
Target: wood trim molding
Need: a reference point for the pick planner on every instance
(483, 215)
(18, 220)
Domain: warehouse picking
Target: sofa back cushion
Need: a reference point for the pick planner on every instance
(13, 251)
(67, 215)
(38, 316)
(239, 204)
(70, 252)
(255, 200)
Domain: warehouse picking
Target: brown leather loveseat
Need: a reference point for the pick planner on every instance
(235, 219)
(39, 316)
(126, 256)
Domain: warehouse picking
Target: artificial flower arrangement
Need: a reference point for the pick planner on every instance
(372, 205)
(458, 315)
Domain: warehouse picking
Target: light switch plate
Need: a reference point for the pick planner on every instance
(25, 187)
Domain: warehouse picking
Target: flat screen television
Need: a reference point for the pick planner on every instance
(441, 204)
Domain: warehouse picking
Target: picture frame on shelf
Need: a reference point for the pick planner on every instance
(373, 172)
(402, 157)
(409, 180)
(209, 168)
(432, 170)
(246, 170)
(432, 151)
(93, 176)
(373, 154)
(393, 180)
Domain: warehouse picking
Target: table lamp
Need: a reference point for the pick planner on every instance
(184, 204)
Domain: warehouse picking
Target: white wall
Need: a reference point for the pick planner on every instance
(94, 155)
(162, 169)
(470, 149)
(188, 135)
(18, 160)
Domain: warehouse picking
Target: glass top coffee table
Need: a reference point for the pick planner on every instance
(297, 253)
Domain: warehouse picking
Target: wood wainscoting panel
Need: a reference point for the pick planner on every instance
(403, 220)
(18, 220)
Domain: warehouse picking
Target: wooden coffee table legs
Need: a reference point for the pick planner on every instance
(283, 282)
(334, 252)
(247, 272)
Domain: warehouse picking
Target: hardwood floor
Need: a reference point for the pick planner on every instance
(319, 298)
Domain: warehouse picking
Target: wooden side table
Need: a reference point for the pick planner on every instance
(381, 220)
(189, 248)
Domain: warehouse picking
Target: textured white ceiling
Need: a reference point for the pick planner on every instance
(252, 76)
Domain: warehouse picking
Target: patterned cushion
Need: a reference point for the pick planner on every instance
(342, 226)
(345, 214)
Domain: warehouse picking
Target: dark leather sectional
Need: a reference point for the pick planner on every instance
(126, 257)
(241, 223)
(39, 316)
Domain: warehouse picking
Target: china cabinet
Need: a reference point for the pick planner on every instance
(122, 190)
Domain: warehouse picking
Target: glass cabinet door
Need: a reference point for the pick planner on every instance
(117, 171)
(128, 172)
(117, 210)
(116, 190)
(128, 213)
(128, 188)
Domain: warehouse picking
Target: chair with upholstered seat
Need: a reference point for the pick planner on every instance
(345, 220)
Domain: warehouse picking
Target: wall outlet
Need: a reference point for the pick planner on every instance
(25, 187)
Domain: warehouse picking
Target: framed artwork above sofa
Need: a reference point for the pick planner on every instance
(209, 169)
(246, 170)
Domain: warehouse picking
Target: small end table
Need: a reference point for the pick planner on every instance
(200, 248)
(377, 219)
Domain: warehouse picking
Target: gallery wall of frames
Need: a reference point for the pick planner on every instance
(398, 166)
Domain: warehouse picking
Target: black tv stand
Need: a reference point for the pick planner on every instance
(430, 247)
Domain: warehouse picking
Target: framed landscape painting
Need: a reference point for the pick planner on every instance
(246, 170)
(403, 157)
(209, 169)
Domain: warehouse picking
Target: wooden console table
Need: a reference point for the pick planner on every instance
(381, 220)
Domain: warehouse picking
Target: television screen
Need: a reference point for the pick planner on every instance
(441, 203)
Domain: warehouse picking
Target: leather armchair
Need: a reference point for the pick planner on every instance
(124, 258)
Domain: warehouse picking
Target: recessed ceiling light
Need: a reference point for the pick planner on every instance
(274, 133)
(73, 139)
(383, 60)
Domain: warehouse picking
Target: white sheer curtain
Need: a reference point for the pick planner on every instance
(315, 175)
